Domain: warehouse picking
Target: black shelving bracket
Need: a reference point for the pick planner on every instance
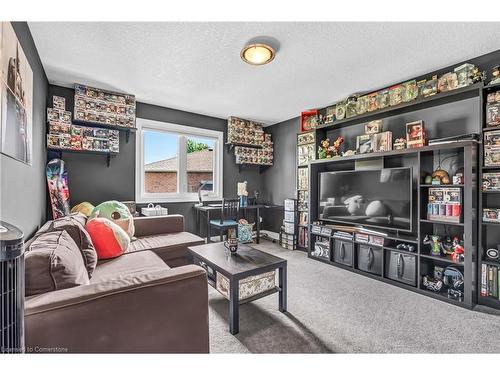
(127, 136)
(108, 160)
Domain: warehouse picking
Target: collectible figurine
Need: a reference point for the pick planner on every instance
(349, 153)
(399, 144)
(323, 150)
(442, 176)
(434, 243)
(458, 251)
(335, 149)
(495, 75)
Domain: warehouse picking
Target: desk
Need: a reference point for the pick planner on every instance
(214, 208)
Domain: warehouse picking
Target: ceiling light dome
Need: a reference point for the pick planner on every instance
(257, 54)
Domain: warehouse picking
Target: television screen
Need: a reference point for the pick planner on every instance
(378, 198)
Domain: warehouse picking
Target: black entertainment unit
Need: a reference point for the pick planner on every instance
(389, 254)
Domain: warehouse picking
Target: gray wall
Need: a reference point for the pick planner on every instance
(23, 187)
(278, 182)
(91, 180)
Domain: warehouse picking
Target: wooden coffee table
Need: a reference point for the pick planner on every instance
(214, 257)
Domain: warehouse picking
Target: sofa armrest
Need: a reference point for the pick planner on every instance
(161, 312)
(151, 225)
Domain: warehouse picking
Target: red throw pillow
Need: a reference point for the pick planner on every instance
(110, 241)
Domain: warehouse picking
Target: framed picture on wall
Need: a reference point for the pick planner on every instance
(16, 101)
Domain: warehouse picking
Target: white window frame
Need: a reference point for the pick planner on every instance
(141, 196)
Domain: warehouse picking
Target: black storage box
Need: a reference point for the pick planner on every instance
(370, 259)
(401, 267)
(343, 252)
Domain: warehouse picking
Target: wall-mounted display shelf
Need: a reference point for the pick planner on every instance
(64, 136)
(262, 155)
(251, 146)
(95, 106)
(60, 151)
(243, 132)
(429, 253)
(410, 106)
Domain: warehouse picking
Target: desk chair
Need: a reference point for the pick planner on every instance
(229, 212)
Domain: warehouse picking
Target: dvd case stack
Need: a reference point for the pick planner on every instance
(490, 280)
(288, 239)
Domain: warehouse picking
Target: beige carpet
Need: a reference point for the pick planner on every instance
(331, 310)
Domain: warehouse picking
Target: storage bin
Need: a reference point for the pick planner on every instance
(401, 267)
(343, 252)
(152, 210)
(249, 286)
(370, 259)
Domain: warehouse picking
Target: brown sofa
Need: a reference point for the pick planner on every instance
(134, 303)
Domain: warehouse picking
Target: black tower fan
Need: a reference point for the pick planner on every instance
(11, 289)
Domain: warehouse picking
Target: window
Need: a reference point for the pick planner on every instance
(175, 161)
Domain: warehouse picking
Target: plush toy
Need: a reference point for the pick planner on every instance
(84, 208)
(110, 240)
(118, 213)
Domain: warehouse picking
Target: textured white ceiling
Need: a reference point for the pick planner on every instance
(196, 66)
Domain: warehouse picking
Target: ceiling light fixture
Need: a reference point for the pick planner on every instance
(257, 54)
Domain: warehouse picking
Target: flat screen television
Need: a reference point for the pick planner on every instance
(379, 198)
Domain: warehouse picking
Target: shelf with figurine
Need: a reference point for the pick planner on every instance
(463, 82)
(376, 143)
(241, 132)
(64, 136)
(104, 108)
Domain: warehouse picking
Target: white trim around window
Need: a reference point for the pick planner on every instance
(141, 196)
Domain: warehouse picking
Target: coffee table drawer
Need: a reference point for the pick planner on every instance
(249, 286)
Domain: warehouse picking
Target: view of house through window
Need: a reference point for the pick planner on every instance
(160, 162)
(200, 164)
(178, 164)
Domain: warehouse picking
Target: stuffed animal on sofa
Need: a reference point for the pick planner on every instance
(118, 213)
(109, 239)
(84, 208)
